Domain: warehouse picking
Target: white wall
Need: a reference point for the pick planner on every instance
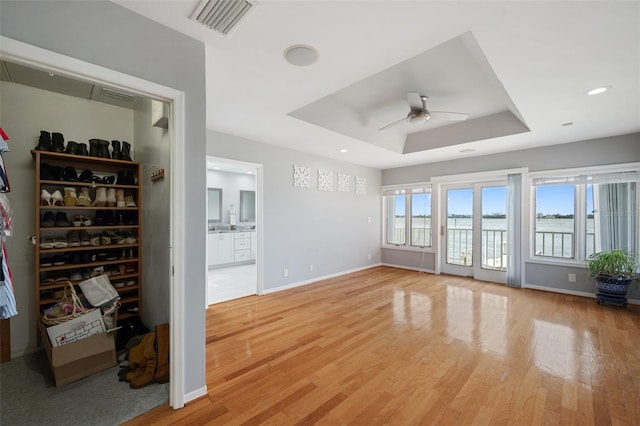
(595, 152)
(108, 35)
(24, 111)
(329, 230)
(152, 149)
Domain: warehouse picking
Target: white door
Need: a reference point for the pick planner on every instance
(474, 232)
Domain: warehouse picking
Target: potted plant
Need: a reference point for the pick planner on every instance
(613, 271)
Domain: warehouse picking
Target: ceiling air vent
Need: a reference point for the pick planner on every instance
(114, 94)
(221, 15)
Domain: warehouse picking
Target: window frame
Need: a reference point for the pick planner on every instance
(572, 176)
(408, 191)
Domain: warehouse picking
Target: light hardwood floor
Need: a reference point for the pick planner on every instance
(390, 346)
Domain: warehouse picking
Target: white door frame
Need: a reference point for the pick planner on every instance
(35, 57)
(259, 224)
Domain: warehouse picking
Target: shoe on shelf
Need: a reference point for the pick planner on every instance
(130, 238)
(72, 147)
(47, 280)
(73, 238)
(46, 243)
(57, 142)
(44, 143)
(126, 151)
(56, 198)
(104, 239)
(84, 198)
(61, 219)
(85, 176)
(114, 237)
(99, 220)
(109, 219)
(61, 276)
(120, 198)
(48, 220)
(60, 242)
(81, 149)
(70, 174)
(46, 262)
(75, 275)
(58, 172)
(59, 260)
(85, 239)
(128, 200)
(111, 197)
(101, 197)
(70, 196)
(46, 172)
(45, 198)
(96, 240)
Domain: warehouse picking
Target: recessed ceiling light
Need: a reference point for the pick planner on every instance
(468, 150)
(598, 90)
(301, 55)
(344, 150)
(567, 124)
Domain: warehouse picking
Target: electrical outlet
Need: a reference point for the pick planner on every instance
(310, 268)
(369, 256)
(572, 278)
(285, 272)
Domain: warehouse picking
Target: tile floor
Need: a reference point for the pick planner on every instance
(231, 283)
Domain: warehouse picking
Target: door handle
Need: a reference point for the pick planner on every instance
(442, 230)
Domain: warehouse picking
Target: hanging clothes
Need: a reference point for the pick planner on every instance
(8, 307)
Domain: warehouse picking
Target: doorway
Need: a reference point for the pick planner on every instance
(233, 229)
(474, 230)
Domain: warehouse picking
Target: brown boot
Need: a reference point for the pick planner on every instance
(162, 349)
(137, 358)
(149, 371)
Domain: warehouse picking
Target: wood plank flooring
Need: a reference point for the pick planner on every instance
(390, 346)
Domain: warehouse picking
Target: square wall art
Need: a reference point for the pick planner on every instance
(301, 176)
(343, 183)
(325, 180)
(361, 185)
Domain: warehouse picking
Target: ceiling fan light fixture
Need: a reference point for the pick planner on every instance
(418, 117)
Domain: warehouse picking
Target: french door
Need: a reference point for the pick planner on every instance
(474, 230)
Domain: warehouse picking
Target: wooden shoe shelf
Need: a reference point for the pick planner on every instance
(122, 261)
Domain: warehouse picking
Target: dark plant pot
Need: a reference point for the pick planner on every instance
(613, 285)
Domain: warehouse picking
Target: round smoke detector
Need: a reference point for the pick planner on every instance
(301, 55)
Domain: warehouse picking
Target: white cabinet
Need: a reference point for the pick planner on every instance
(242, 245)
(221, 248)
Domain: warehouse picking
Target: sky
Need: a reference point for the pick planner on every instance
(550, 199)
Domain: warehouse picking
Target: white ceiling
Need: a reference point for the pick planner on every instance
(535, 59)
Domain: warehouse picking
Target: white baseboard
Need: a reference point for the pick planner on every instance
(195, 394)
(410, 268)
(316, 279)
(571, 292)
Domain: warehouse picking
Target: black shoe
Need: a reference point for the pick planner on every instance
(57, 142)
(44, 143)
(103, 149)
(129, 178)
(99, 219)
(126, 151)
(116, 154)
(72, 148)
(82, 149)
(61, 219)
(58, 172)
(48, 220)
(46, 172)
(86, 176)
(109, 180)
(70, 174)
(94, 149)
(109, 220)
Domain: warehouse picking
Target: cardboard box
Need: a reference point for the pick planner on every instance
(81, 358)
(76, 329)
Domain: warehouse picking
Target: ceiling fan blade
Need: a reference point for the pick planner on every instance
(392, 124)
(415, 101)
(451, 116)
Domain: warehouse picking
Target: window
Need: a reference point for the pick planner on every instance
(577, 215)
(408, 217)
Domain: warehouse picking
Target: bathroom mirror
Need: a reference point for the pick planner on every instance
(214, 203)
(247, 206)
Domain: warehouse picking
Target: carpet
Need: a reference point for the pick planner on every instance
(28, 396)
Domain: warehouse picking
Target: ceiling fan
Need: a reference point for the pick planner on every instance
(419, 113)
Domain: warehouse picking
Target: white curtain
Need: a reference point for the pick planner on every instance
(514, 227)
(616, 216)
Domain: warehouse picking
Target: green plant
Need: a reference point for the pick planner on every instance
(614, 264)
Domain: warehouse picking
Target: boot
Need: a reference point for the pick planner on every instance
(84, 198)
(162, 353)
(129, 178)
(44, 143)
(128, 200)
(111, 197)
(57, 142)
(126, 151)
(93, 148)
(101, 197)
(103, 149)
(70, 196)
(82, 149)
(116, 153)
(138, 356)
(151, 354)
(120, 200)
(72, 148)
